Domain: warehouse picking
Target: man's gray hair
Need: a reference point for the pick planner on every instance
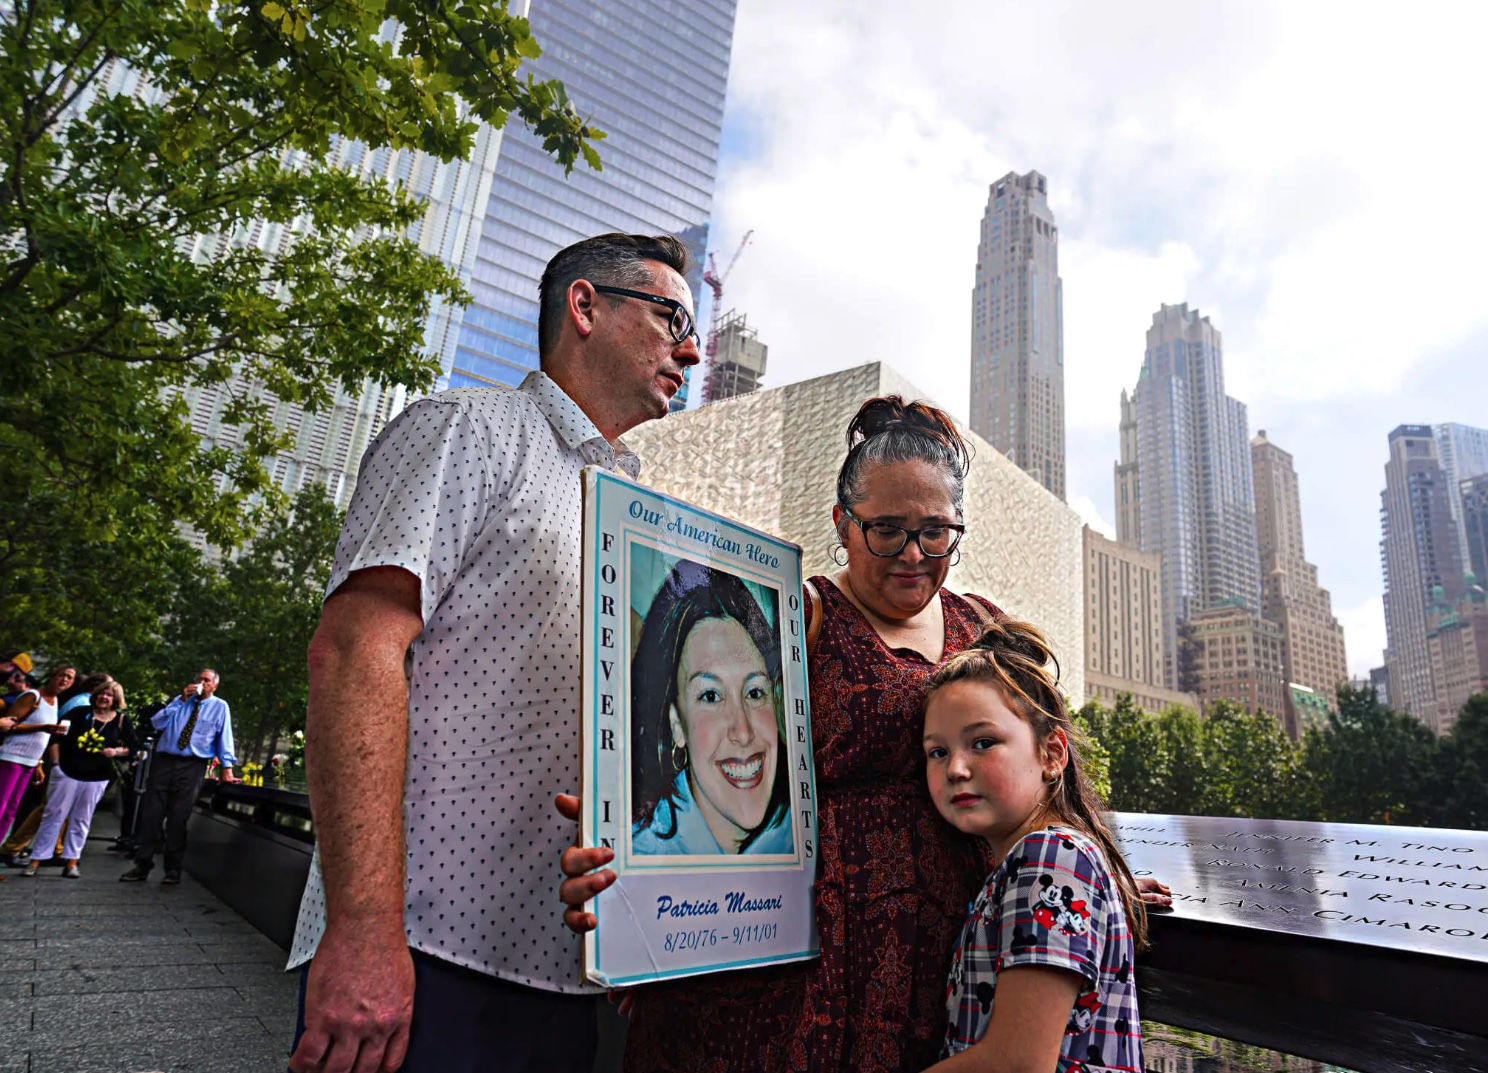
(614, 260)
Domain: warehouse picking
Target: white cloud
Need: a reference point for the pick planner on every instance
(1090, 514)
(1304, 174)
(1363, 635)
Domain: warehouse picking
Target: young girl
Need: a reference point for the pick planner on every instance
(1042, 976)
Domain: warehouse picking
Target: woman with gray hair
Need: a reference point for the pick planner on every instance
(893, 878)
(98, 736)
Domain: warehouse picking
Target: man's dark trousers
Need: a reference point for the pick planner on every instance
(467, 1022)
(175, 783)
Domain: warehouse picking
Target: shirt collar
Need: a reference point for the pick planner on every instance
(574, 427)
(693, 831)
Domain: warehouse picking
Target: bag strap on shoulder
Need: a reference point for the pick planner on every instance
(813, 630)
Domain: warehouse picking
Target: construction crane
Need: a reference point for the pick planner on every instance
(714, 279)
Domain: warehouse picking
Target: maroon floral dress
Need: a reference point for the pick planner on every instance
(892, 888)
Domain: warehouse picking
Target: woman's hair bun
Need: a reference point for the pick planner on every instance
(890, 413)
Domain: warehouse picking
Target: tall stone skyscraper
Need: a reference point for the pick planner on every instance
(1124, 626)
(653, 78)
(1423, 568)
(1017, 330)
(1186, 463)
(1312, 652)
(1128, 518)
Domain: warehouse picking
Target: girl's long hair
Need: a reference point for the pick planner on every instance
(1014, 656)
(691, 593)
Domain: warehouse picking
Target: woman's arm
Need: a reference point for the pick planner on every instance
(1030, 1011)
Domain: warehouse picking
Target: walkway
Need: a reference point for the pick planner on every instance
(107, 977)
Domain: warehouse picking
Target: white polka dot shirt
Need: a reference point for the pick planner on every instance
(477, 492)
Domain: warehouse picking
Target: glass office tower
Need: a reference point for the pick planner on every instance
(651, 74)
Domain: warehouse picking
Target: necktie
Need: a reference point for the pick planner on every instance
(184, 741)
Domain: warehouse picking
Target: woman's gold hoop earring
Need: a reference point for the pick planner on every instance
(679, 765)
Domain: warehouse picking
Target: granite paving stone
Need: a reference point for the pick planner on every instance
(113, 1031)
(100, 976)
(115, 954)
(144, 978)
(187, 1056)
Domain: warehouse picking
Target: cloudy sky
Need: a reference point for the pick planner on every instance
(1311, 176)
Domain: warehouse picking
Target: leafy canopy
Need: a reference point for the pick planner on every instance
(1367, 765)
(174, 211)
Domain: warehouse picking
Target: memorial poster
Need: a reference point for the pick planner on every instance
(697, 765)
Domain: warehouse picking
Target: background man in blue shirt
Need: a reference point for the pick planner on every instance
(194, 728)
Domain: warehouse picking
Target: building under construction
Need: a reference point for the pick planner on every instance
(738, 366)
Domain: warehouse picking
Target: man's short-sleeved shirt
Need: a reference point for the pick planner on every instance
(477, 493)
(1052, 902)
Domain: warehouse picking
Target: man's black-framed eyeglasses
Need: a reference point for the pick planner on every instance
(886, 540)
(681, 325)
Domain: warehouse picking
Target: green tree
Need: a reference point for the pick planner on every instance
(103, 604)
(1094, 756)
(1458, 795)
(1250, 764)
(1370, 765)
(1183, 749)
(252, 621)
(1137, 765)
(144, 140)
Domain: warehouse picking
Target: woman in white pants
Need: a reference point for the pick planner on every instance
(98, 736)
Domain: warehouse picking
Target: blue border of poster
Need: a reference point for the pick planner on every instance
(678, 912)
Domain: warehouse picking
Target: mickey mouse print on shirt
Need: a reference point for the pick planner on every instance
(1051, 902)
(1058, 908)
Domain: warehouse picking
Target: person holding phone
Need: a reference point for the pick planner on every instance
(194, 728)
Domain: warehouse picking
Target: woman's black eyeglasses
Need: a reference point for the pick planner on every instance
(886, 540)
(681, 325)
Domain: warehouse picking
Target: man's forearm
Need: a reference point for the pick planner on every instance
(356, 738)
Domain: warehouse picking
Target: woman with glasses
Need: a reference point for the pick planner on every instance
(98, 736)
(893, 879)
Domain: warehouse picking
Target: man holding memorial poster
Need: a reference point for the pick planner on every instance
(697, 749)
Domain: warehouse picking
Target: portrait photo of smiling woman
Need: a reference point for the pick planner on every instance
(709, 759)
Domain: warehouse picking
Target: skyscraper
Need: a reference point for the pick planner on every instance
(328, 445)
(1231, 653)
(653, 76)
(1463, 451)
(1473, 495)
(1017, 330)
(1312, 652)
(1418, 550)
(496, 218)
(1128, 519)
(1124, 626)
(1186, 465)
